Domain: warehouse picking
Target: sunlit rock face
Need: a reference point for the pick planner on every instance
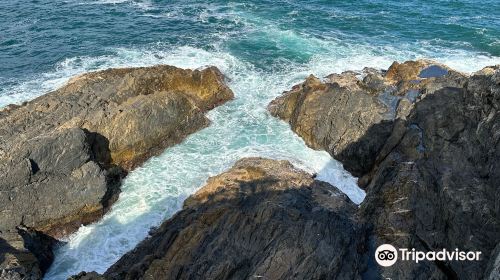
(337, 113)
(63, 154)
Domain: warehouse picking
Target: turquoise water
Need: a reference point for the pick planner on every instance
(263, 47)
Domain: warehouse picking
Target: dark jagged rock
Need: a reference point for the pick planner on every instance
(335, 114)
(26, 254)
(52, 183)
(328, 116)
(437, 186)
(260, 219)
(432, 181)
(63, 154)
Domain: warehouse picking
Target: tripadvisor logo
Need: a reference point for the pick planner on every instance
(387, 255)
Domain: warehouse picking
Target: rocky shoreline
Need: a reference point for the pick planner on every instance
(423, 139)
(63, 155)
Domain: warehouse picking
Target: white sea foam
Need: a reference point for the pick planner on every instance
(144, 5)
(106, 2)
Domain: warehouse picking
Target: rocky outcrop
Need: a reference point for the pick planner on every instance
(63, 154)
(431, 167)
(436, 186)
(260, 219)
(336, 114)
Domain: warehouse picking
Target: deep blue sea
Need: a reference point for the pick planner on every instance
(263, 47)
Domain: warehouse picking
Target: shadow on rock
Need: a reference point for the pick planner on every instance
(435, 183)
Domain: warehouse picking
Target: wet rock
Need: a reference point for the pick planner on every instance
(260, 219)
(63, 154)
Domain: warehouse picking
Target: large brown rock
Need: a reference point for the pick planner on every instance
(330, 117)
(336, 114)
(138, 110)
(260, 219)
(62, 155)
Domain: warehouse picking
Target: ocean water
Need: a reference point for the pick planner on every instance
(263, 47)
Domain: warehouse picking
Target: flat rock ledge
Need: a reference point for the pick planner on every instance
(62, 155)
(425, 141)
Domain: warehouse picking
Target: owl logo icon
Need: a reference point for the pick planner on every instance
(386, 255)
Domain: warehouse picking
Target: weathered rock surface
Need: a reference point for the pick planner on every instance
(336, 114)
(260, 219)
(63, 154)
(328, 116)
(437, 186)
(25, 254)
(432, 177)
(493, 269)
